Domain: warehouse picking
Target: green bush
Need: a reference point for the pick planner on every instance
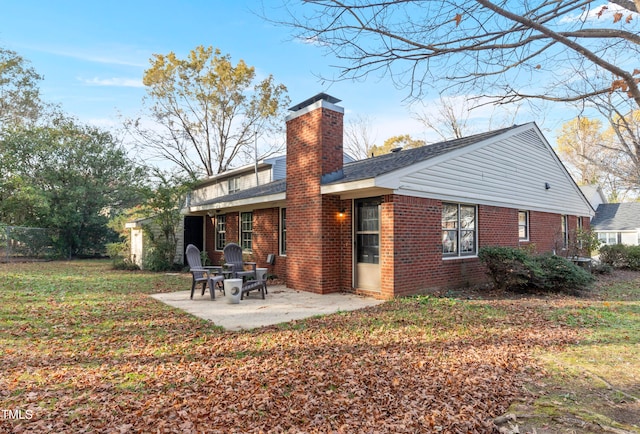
(512, 268)
(621, 256)
(613, 255)
(633, 257)
(559, 274)
(159, 257)
(119, 254)
(507, 266)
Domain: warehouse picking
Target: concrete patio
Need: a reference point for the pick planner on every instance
(280, 305)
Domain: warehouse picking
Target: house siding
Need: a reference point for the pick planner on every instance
(512, 173)
(500, 176)
(220, 185)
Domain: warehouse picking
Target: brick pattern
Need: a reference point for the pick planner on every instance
(411, 255)
(320, 241)
(314, 148)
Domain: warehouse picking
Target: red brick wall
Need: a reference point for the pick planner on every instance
(544, 231)
(314, 148)
(411, 255)
(265, 238)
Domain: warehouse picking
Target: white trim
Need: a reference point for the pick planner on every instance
(311, 107)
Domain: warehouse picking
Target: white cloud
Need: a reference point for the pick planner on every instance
(597, 13)
(115, 82)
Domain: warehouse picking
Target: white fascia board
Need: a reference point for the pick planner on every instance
(261, 200)
(344, 187)
(392, 179)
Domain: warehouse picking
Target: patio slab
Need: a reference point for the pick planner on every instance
(280, 305)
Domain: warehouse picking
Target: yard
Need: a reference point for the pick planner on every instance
(84, 349)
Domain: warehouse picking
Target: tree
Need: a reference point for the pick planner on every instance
(67, 177)
(163, 205)
(608, 156)
(580, 145)
(449, 120)
(499, 49)
(403, 141)
(205, 111)
(19, 92)
(358, 140)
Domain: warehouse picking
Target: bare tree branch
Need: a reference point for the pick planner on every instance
(480, 47)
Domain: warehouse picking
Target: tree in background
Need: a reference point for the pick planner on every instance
(403, 141)
(498, 49)
(580, 146)
(358, 137)
(163, 204)
(67, 177)
(609, 157)
(206, 112)
(19, 93)
(449, 119)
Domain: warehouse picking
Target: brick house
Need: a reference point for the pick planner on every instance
(393, 225)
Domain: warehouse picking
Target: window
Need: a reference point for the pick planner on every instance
(368, 231)
(564, 232)
(283, 231)
(523, 225)
(610, 238)
(234, 185)
(458, 230)
(246, 230)
(221, 231)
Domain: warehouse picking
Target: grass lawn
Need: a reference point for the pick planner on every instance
(85, 349)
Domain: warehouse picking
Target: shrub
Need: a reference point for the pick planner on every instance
(507, 266)
(559, 274)
(633, 257)
(613, 255)
(512, 268)
(119, 254)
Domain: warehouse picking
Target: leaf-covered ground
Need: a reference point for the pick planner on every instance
(85, 349)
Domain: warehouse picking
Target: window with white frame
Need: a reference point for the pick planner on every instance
(246, 230)
(564, 224)
(459, 236)
(523, 225)
(221, 231)
(283, 231)
(234, 184)
(610, 238)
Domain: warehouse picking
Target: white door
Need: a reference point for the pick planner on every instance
(367, 244)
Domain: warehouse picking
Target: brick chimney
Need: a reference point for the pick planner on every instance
(314, 150)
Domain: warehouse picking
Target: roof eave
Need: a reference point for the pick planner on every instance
(252, 201)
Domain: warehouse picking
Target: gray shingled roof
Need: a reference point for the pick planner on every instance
(617, 217)
(274, 187)
(370, 167)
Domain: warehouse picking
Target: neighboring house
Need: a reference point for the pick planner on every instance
(393, 225)
(618, 223)
(594, 195)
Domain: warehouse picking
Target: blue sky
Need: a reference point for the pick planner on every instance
(93, 55)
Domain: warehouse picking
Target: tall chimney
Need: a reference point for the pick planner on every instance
(314, 150)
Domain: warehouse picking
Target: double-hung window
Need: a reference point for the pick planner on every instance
(221, 231)
(459, 230)
(246, 230)
(523, 225)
